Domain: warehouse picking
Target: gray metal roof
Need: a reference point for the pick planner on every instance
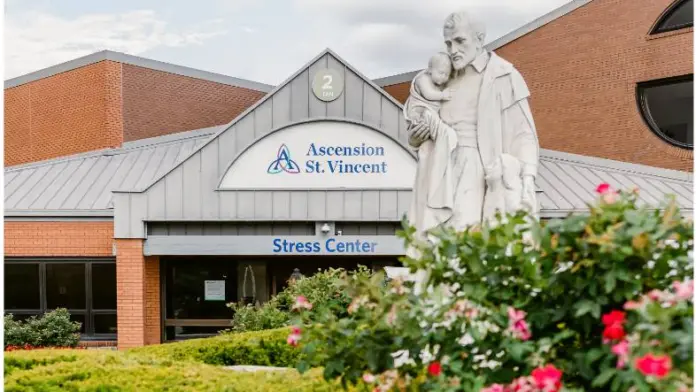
(137, 61)
(82, 185)
(502, 41)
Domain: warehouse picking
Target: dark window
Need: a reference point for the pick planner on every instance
(679, 15)
(22, 289)
(667, 107)
(104, 286)
(105, 323)
(87, 288)
(65, 286)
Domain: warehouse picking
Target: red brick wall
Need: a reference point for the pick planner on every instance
(157, 103)
(582, 70)
(102, 105)
(59, 239)
(137, 285)
(64, 114)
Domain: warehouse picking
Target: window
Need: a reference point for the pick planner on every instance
(87, 288)
(679, 15)
(667, 108)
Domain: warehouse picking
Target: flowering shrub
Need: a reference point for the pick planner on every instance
(520, 297)
(321, 289)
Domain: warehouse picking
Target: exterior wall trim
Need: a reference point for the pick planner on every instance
(47, 214)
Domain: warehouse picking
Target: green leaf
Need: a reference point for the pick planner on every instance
(586, 306)
(609, 282)
(604, 377)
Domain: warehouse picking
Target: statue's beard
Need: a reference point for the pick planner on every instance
(462, 59)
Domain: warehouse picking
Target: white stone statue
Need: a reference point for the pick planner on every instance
(472, 127)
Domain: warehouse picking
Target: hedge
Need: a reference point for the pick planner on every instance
(100, 370)
(263, 348)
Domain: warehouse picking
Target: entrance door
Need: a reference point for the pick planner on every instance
(196, 293)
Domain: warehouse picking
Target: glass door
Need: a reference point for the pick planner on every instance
(196, 293)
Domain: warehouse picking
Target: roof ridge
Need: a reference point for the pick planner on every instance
(136, 61)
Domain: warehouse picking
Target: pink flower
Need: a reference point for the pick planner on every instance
(610, 197)
(613, 325)
(517, 325)
(603, 188)
(621, 350)
(294, 337)
(633, 305)
(301, 303)
(684, 290)
(654, 365)
(369, 378)
(494, 388)
(547, 378)
(656, 295)
(523, 384)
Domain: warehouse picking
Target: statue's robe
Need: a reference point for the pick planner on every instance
(506, 142)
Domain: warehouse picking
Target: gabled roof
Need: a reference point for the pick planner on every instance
(269, 98)
(502, 41)
(137, 61)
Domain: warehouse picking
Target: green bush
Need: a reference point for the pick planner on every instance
(99, 370)
(321, 289)
(251, 318)
(263, 348)
(53, 329)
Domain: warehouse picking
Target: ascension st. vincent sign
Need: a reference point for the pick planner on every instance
(322, 155)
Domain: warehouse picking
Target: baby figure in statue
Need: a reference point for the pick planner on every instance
(427, 90)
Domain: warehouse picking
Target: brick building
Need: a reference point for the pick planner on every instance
(133, 194)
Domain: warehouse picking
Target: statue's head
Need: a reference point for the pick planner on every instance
(464, 37)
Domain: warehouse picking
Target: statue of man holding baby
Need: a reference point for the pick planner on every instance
(469, 119)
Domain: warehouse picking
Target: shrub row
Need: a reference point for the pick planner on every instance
(262, 348)
(98, 370)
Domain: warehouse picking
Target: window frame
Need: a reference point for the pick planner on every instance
(88, 312)
(658, 28)
(644, 108)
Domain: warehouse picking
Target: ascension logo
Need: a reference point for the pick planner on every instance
(283, 162)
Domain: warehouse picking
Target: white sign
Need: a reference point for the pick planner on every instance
(323, 155)
(327, 85)
(214, 290)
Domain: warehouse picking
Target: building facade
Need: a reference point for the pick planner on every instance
(148, 239)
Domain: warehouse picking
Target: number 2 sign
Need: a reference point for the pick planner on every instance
(327, 85)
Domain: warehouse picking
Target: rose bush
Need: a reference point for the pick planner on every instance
(521, 305)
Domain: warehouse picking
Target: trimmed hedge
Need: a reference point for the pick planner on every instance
(262, 348)
(100, 370)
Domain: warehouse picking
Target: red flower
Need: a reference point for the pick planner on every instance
(614, 332)
(547, 378)
(614, 317)
(652, 365)
(434, 369)
(603, 188)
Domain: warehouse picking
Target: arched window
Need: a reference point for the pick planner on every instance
(679, 15)
(667, 106)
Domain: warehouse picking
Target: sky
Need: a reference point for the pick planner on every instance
(260, 40)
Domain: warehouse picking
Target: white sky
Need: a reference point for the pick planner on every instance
(261, 40)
